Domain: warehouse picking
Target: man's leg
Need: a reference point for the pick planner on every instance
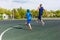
(38, 20)
(41, 20)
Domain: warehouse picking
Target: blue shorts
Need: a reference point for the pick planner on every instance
(28, 21)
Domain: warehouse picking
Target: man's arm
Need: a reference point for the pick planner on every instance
(46, 13)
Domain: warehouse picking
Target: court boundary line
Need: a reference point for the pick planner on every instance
(5, 32)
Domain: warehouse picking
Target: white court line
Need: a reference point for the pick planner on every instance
(4, 32)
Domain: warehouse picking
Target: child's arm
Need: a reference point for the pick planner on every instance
(30, 14)
(26, 15)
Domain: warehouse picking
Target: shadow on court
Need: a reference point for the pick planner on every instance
(19, 31)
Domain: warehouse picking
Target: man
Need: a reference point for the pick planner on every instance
(40, 9)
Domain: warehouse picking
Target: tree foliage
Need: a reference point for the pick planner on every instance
(21, 13)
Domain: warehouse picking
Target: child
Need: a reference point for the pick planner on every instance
(28, 15)
(40, 9)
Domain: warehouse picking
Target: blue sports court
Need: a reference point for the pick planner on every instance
(17, 30)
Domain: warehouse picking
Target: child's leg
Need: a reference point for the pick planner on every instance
(30, 26)
(25, 23)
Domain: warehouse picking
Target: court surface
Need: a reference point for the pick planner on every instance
(17, 30)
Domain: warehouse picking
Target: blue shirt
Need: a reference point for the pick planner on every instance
(41, 10)
(28, 15)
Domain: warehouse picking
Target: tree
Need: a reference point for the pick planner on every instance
(57, 13)
(22, 12)
(34, 13)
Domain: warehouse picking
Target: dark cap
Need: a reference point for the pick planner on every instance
(28, 10)
(40, 4)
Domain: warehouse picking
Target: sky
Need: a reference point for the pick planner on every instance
(30, 4)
